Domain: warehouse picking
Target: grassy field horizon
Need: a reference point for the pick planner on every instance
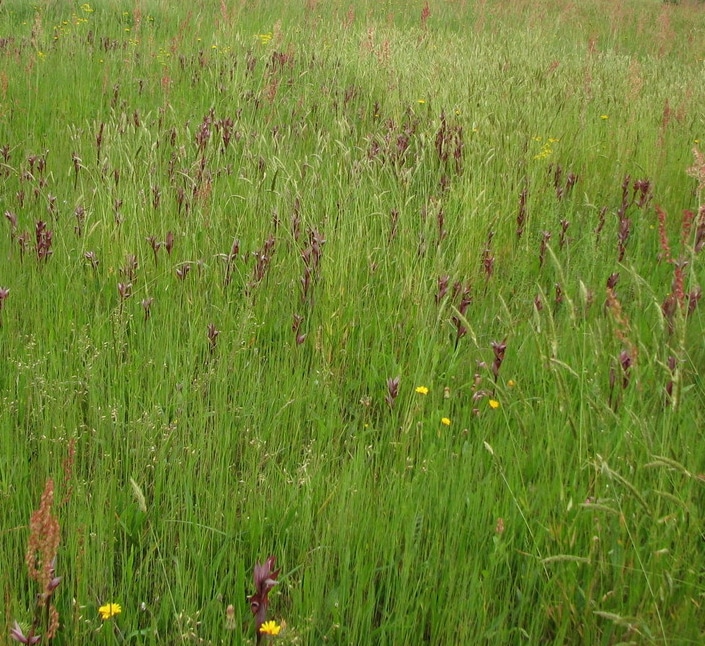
(406, 295)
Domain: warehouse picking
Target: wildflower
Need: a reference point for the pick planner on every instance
(499, 528)
(109, 610)
(17, 634)
(43, 543)
(494, 404)
(422, 390)
(697, 170)
(87, 8)
(230, 617)
(445, 421)
(392, 390)
(265, 578)
(270, 628)
(421, 101)
(545, 151)
(511, 383)
(604, 117)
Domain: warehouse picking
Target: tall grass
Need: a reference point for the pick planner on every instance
(405, 296)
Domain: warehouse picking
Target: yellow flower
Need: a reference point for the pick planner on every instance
(545, 152)
(422, 390)
(109, 610)
(269, 628)
(604, 117)
(445, 421)
(494, 404)
(511, 383)
(422, 101)
(87, 8)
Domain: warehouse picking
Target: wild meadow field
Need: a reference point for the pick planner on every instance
(403, 294)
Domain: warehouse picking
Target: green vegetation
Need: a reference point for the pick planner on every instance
(405, 295)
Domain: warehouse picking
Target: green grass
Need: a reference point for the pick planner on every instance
(374, 155)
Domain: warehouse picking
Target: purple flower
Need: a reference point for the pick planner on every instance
(265, 578)
(17, 634)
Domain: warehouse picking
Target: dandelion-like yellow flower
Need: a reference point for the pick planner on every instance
(422, 390)
(422, 101)
(269, 628)
(494, 404)
(604, 117)
(109, 610)
(445, 421)
(511, 383)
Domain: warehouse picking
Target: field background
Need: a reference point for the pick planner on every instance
(241, 240)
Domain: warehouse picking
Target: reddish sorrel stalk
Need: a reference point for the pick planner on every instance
(43, 544)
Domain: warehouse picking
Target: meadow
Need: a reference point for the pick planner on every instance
(404, 294)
